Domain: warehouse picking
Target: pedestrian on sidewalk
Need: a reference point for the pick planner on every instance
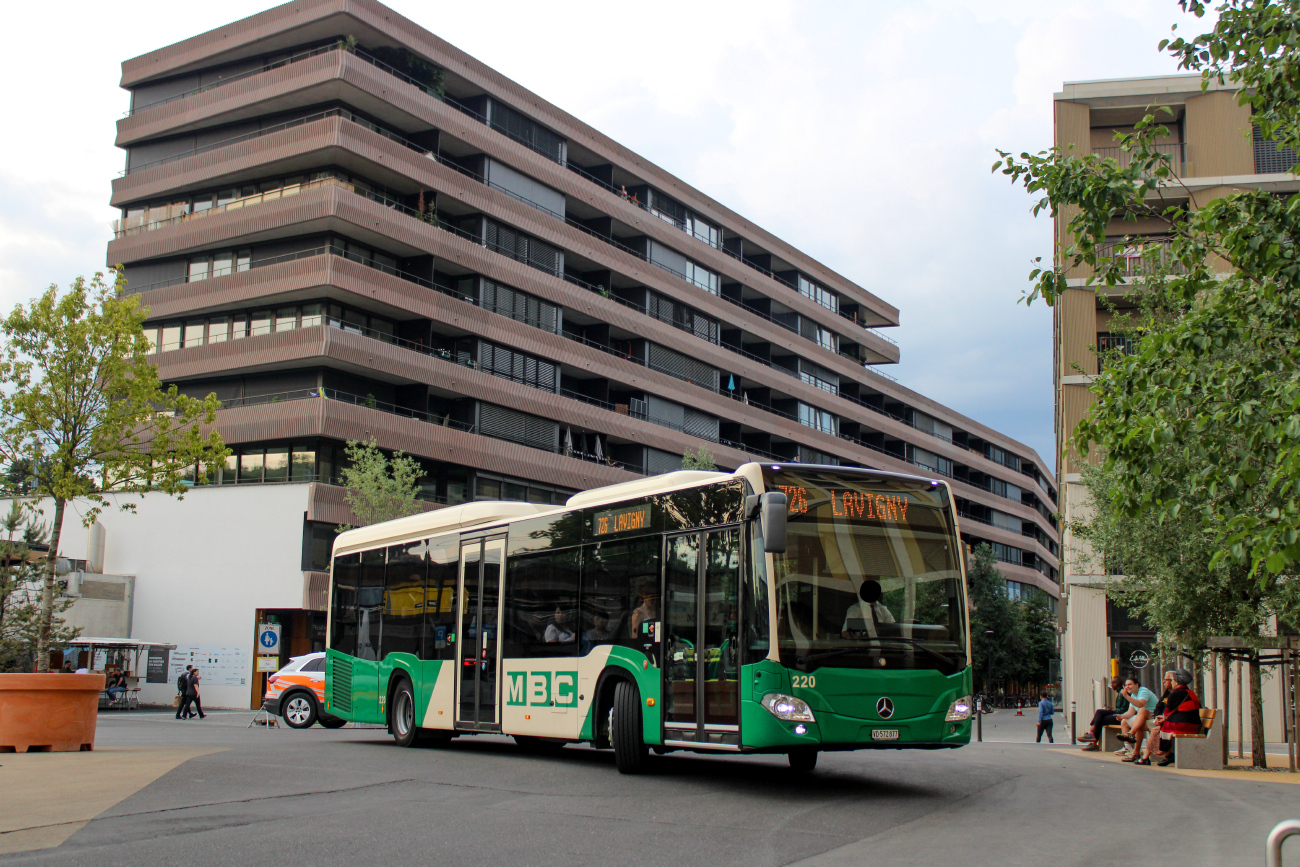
(182, 690)
(195, 677)
(1046, 710)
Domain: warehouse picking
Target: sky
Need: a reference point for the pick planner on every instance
(860, 131)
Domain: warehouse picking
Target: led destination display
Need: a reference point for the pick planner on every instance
(620, 520)
(850, 505)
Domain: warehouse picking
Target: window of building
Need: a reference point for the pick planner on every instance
(702, 277)
(818, 419)
(218, 329)
(819, 377)
(819, 294)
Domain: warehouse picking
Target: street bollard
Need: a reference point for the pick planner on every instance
(1073, 739)
(979, 720)
(1273, 848)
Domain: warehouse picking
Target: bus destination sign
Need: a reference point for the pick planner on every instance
(621, 520)
(851, 504)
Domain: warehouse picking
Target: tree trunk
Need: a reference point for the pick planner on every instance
(1257, 756)
(45, 626)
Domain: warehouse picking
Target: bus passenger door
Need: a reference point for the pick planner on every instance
(701, 652)
(479, 656)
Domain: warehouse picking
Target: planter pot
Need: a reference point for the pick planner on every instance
(48, 712)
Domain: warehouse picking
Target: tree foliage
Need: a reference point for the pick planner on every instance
(23, 539)
(1233, 431)
(1014, 642)
(379, 488)
(700, 459)
(84, 417)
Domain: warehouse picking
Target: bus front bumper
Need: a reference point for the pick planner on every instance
(831, 731)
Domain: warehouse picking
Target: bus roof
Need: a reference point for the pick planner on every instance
(491, 511)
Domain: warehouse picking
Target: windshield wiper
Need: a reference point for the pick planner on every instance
(840, 651)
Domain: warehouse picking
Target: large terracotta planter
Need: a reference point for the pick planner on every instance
(48, 712)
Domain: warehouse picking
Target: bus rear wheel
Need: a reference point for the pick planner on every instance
(630, 753)
(803, 759)
(401, 715)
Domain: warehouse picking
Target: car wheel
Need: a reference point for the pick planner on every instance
(803, 759)
(332, 722)
(630, 753)
(401, 715)
(298, 711)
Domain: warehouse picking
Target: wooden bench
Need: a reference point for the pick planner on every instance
(1199, 751)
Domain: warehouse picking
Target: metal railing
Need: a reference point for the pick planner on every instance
(1142, 256)
(267, 67)
(1174, 153)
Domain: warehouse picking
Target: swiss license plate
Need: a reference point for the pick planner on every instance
(884, 734)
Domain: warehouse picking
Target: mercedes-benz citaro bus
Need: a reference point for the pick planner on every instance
(782, 608)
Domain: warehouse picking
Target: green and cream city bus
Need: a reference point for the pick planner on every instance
(781, 608)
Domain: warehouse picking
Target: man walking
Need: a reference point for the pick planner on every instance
(1046, 710)
(183, 689)
(195, 702)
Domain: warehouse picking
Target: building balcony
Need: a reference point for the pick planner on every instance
(1175, 154)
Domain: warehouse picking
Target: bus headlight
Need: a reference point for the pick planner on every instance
(787, 707)
(959, 710)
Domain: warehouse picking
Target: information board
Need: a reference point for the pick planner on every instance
(156, 672)
(219, 664)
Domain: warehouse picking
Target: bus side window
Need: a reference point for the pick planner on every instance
(620, 590)
(403, 600)
(440, 599)
(343, 616)
(541, 607)
(757, 634)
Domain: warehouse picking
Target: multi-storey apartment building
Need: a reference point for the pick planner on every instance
(1213, 151)
(350, 230)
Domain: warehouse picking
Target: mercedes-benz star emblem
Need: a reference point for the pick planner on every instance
(885, 707)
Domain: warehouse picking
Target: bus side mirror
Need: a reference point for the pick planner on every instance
(772, 514)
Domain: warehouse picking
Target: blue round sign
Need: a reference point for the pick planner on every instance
(269, 639)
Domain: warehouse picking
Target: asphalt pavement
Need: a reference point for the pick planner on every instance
(214, 792)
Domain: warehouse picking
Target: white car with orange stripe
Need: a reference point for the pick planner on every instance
(297, 693)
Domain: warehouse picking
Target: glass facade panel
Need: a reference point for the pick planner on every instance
(312, 315)
(277, 464)
(222, 264)
(195, 332)
(250, 467)
(260, 323)
(218, 329)
(302, 464)
(171, 337)
(286, 319)
(199, 269)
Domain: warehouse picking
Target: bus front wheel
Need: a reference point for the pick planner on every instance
(803, 759)
(401, 710)
(630, 753)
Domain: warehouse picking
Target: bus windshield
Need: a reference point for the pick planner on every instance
(870, 576)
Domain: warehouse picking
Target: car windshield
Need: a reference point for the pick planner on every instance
(870, 576)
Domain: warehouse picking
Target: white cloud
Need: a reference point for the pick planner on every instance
(861, 132)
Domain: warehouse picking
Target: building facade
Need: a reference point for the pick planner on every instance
(1213, 151)
(348, 229)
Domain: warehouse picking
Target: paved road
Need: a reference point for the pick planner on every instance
(317, 797)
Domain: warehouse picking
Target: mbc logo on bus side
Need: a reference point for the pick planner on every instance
(542, 689)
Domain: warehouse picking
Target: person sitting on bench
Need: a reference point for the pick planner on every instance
(1181, 714)
(116, 686)
(1141, 703)
(1106, 716)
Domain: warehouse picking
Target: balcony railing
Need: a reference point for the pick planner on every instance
(1175, 154)
(440, 420)
(1140, 257)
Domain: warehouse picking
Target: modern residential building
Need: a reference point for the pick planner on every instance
(1213, 151)
(348, 229)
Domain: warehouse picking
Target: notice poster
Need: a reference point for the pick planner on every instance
(157, 670)
(219, 664)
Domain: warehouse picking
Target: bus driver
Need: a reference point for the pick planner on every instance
(863, 616)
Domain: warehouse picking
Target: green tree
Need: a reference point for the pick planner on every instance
(997, 637)
(1236, 423)
(22, 539)
(83, 405)
(1039, 640)
(379, 488)
(700, 459)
